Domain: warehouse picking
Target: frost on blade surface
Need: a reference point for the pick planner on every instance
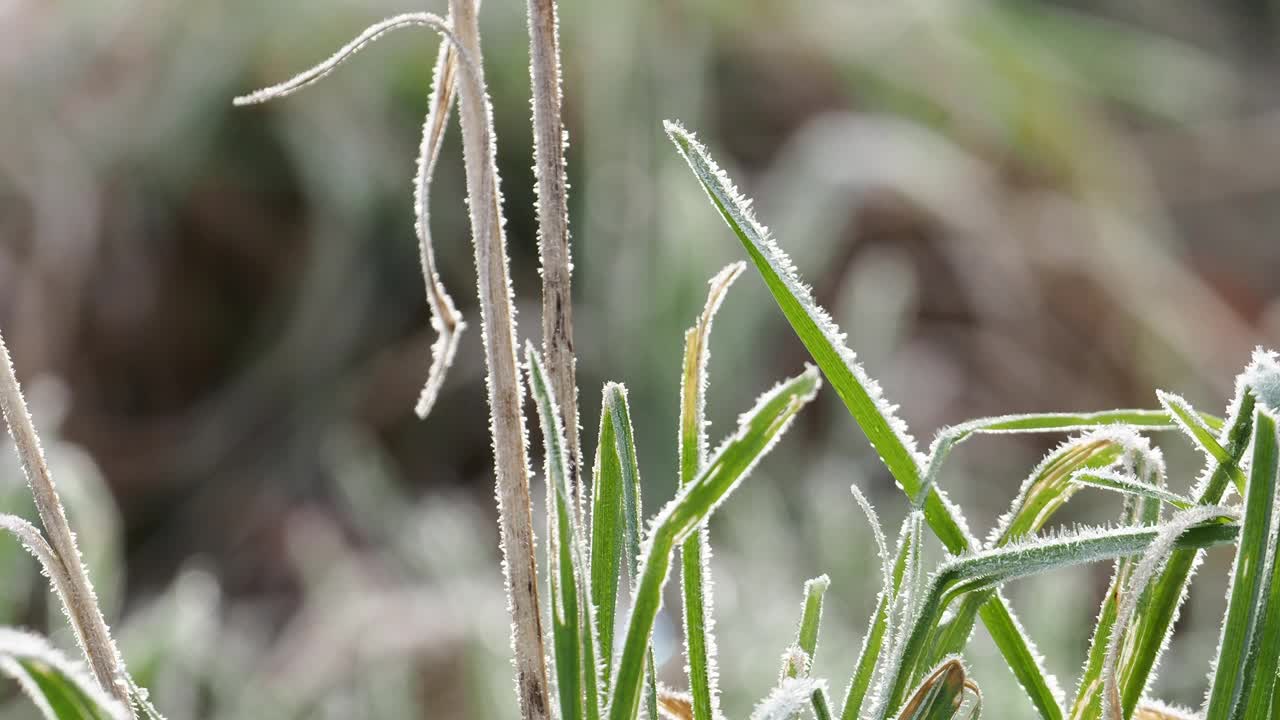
(1152, 561)
(361, 41)
(1049, 485)
(445, 318)
(886, 431)
(52, 681)
(788, 699)
(877, 530)
(1263, 377)
(698, 619)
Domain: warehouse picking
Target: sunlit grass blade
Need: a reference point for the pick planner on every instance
(949, 437)
(1046, 489)
(1128, 485)
(1162, 604)
(564, 554)
(1260, 701)
(789, 699)
(862, 396)
(1138, 508)
(875, 643)
(798, 660)
(821, 707)
(695, 554)
(607, 530)
(60, 689)
(615, 403)
(757, 431)
(939, 695)
(1191, 423)
(992, 568)
(1248, 577)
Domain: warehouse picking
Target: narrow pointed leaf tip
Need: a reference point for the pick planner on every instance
(825, 342)
(60, 688)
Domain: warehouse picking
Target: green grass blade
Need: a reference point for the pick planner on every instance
(607, 527)
(1191, 423)
(821, 337)
(757, 431)
(869, 657)
(1261, 692)
(948, 438)
(1249, 575)
(861, 394)
(821, 709)
(1128, 485)
(563, 548)
(695, 553)
(619, 410)
(1049, 485)
(800, 664)
(58, 688)
(1047, 488)
(1139, 508)
(991, 568)
(1164, 601)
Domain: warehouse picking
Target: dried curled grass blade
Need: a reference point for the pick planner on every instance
(445, 318)
(78, 598)
(324, 69)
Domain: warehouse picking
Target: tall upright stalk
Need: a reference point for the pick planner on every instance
(503, 380)
(73, 582)
(549, 142)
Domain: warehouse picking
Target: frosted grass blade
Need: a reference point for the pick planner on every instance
(862, 396)
(615, 403)
(1128, 485)
(869, 656)
(1163, 603)
(1231, 675)
(798, 660)
(695, 553)
(607, 530)
(564, 555)
(60, 689)
(1258, 702)
(1191, 423)
(992, 568)
(757, 431)
(1143, 508)
(1046, 489)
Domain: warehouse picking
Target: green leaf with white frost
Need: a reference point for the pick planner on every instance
(633, 513)
(1236, 645)
(564, 556)
(757, 430)
(1138, 508)
(874, 641)
(863, 397)
(1046, 489)
(607, 531)
(991, 568)
(1129, 485)
(695, 553)
(1190, 422)
(59, 688)
(1164, 601)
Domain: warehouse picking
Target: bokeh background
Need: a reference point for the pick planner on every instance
(219, 316)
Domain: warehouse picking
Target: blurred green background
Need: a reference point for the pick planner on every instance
(219, 314)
